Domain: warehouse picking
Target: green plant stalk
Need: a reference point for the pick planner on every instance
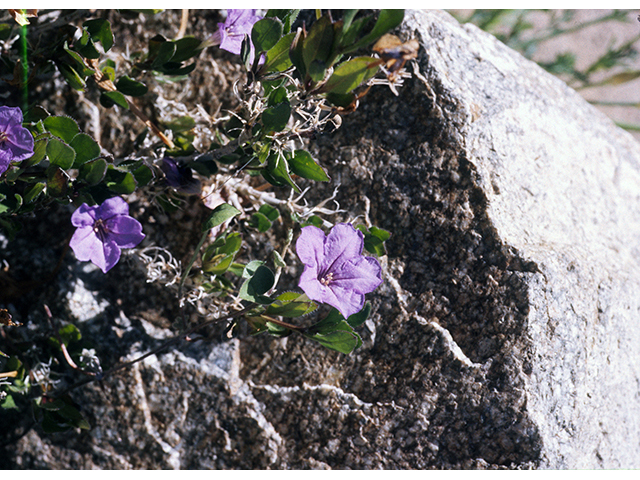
(25, 69)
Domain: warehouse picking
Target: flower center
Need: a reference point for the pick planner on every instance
(3, 136)
(100, 229)
(326, 280)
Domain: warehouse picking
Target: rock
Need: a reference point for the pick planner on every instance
(504, 336)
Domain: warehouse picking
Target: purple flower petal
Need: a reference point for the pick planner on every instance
(125, 231)
(82, 243)
(9, 116)
(343, 243)
(84, 216)
(231, 33)
(345, 300)
(110, 254)
(113, 206)
(16, 142)
(21, 142)
(310, 246)
(362, 274)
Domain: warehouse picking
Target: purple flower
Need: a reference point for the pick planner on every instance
(178, 177)
(102, 231)
(16, 142)
(336, 272)
(231, 33)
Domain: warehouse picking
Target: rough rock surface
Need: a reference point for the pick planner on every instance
(505, 333)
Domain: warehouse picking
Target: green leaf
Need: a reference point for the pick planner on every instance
(69, 334)
(336, 333)
(218, 264)
(351, 74)
(275, 118)
(251, 268)
(39, 152)
(232, 244)
(100, 29)
(276, 96)
(295, 53)
(93, 171)
(341, 99)
(317, 48)
(314, 220)
(60, 153)
(74, 80)
(348, 17)
(109, 71)
(62, 127)
(186, 48)
(374, 239)
(266, 33)
(277, 330)
(359, 318)
(303, 165)
(35, 114)
(205, 166)
(85, 147)
(219, 215)
(328, 324)
(176, 69)
(79, 64)
(277, 171)
(33, 192)
(383, 235)
(286, 16)
(260, 222)
(259, 283)
(181, 124)
(291, 304)
(143, 175)
(272, 213)
(131, 87)
(119, 182)
(8, 403)
(165, 51)
(342, 341)
(387, 21)
(85, 46)
(57, 182)
(109, 99)
(5, 31)
(351, 32)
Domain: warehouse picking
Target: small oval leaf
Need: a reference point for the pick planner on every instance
(303, 165)
(62, 127)
(266, 33)
(60, 153)
(131, 87)
(85, 147)
(219, 215)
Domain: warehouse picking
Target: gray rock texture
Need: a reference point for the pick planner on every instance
(505, 334)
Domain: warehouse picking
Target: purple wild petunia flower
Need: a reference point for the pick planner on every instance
(179, 177)
(16, 142)
(336, 272)
(231, 33)
(102, 231)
